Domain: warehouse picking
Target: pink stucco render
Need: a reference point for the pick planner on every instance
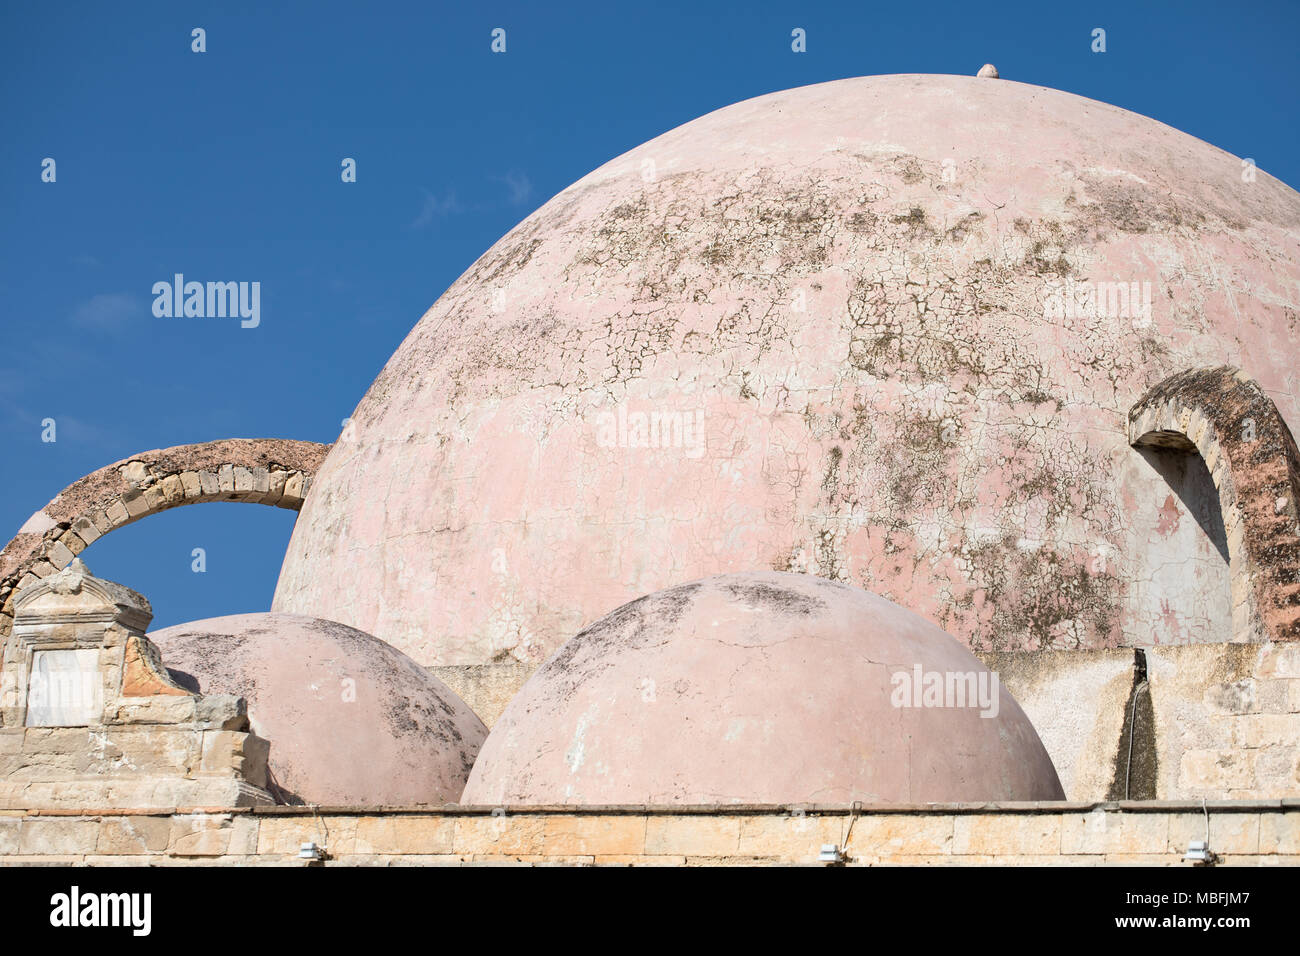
(351, 721)
(760, 688)
(844, 291)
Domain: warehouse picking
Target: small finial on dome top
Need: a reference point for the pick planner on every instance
(988, 70)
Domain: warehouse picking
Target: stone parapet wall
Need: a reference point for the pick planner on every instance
(1227, 720)
(1159, 833)
(131, 766)
(1220, 721)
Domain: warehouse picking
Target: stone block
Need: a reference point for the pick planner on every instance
(283, 835)
(1140, 859)
(1232, 697)
(9, 833)
(117, 513)
(405, 835)
(222, 753)
(1270, 730)
(1229, 832)
(154, 499)
(1280, 660)
(56, 740)
(190, 484)
(510, 834)
(158, 709)
(143, 673)
(1279, 833)
(59, 555)
(1213, 772)
(221, 712)
(900, 834)
(200, 835)
(797, 837)
(1275, 762)
(57, 836)
(1102, 832)
(150, 748)
(293, 492)
(692, 835)
(133, 834)
(134, 473)
(275, 487)
(135, 504)
(589, 834)
(1273, 696)
(1007, 833)
(173, 490)
(87, 530)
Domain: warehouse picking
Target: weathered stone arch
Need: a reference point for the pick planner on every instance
(1224, 415)
(265, 471)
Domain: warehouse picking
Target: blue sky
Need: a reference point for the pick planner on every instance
(225, 166)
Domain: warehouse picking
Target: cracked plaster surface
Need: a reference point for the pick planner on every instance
(851, 282)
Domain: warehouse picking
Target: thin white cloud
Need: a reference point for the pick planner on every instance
(519, 185)
(433, 207)
(109, 310)
(518, 190)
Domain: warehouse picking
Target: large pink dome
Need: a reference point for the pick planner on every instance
(825, 331)
(761, 688)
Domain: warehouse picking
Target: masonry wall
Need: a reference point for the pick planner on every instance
(1227, 720)
(1241, 832)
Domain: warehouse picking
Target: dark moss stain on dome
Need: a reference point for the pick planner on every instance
(1136, 208)
(775, 599)
(832, 476)
(639, 623)
(217, 657)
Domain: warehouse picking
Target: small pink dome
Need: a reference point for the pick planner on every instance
(351, 720)
(761, 688)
